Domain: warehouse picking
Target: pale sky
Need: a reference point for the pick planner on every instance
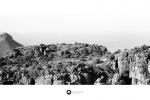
(116, 24)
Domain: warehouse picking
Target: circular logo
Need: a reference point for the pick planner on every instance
(68, 92)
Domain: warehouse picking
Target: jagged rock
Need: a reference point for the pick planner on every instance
(139, 69)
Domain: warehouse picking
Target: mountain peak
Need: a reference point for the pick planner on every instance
(7, 43)
(5, 36)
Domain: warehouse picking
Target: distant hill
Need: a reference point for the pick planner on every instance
(7, 43)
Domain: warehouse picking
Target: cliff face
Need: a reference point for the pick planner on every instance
(7, 43)
(140, 73)
(136, 64)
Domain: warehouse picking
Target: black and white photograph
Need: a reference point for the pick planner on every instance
(75, 48)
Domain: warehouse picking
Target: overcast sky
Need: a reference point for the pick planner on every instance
(116, 24)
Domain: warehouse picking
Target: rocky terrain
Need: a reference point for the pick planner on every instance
(72, 64)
